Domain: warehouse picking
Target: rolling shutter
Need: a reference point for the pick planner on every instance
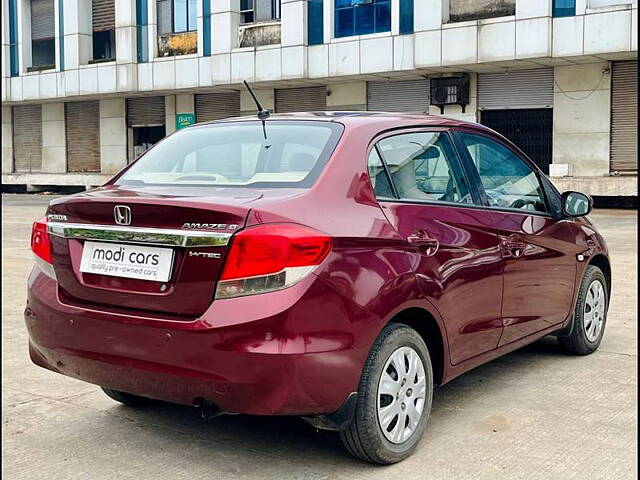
(519, 89)
(404, 96)
(42, 19)
(215, 106)
(624, 117)
(104, 15)
(145, 111)
(306, 99)
(27, 138)
(82, 127)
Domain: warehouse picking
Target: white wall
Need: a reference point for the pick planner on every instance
(7, 140)
(581, 118)
(113, 135)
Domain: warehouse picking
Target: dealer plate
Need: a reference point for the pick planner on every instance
(128, 261)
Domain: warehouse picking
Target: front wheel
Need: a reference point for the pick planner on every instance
(590, 316)
(394, 398)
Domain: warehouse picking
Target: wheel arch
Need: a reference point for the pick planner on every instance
(422, 321)
(602, 262)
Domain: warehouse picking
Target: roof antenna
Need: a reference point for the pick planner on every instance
(263, 113)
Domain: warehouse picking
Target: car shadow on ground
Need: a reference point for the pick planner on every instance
(268, 437)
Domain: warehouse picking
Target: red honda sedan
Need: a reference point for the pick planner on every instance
(333, 266)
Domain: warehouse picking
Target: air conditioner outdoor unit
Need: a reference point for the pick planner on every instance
(450, 91)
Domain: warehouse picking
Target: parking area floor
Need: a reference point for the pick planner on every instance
(533, 414)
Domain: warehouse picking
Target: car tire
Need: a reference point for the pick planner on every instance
(364, 436)
(590, 316)
(128, 399)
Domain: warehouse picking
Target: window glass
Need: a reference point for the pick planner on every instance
(193, 15)
(237, 154)
(379, 177)
(361, 17)
(507, 179)
(423, 166)
(179, 16)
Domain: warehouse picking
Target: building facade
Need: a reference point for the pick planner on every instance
(87, 85)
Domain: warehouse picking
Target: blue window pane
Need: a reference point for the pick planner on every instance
(344, 22)
(364, 19)
(315, 18)
(206, 27)
(383, 17)
(179, 16)
(193, 15)
(564, 8)
(406, 16)
(13, 38)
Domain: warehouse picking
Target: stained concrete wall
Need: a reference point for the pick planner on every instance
(347, 96)
(54, 150)
(581, 120)
(463, 10)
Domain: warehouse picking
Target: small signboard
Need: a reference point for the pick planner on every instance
(184, 120)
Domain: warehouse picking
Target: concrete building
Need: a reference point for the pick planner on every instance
(89, 84)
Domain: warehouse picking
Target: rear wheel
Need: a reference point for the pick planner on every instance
(394, 398)
(128, 399)
(590, 315)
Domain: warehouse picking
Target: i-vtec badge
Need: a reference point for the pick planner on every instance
(55, 217)
(210, 226)
(205, 255)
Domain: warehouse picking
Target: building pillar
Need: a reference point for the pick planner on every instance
(347, 96)
(125, 31)
(24, 34)
(266, 97)
(6, 67)
(225, 20)
(78, 33)
(174, 105)
(581, 120)
(113, 135)
(54, 149)
(430, 14)
(7, 140)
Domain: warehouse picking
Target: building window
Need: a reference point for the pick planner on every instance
(206, 27)
(564, 8)
(315, 19)
(142, 44)
(13, 38)
(104, 30)
(43, 49)
(259, 10)
(177, 25)
(406, 17)
(177, 16)
(360, 17)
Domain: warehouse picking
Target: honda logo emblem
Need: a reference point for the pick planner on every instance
(122, 214)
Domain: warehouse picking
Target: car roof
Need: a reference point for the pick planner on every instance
(382, 120)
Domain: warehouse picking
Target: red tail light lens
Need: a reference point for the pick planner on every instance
(270, 257)
(40, 240)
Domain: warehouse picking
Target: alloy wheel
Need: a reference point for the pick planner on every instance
(594, 310)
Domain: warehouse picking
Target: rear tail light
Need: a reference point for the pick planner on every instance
(40, 240)
(271, 257)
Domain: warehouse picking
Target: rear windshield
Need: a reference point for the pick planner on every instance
(237, 154)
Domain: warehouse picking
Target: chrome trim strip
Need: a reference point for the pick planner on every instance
(146, 236)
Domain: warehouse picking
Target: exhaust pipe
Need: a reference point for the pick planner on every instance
(208, 409)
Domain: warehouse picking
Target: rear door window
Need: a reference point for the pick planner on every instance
(423, 167)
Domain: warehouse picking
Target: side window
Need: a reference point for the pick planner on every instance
(379, 177)
(423, 166)
(507, 179)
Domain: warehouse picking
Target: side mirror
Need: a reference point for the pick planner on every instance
(576, 204)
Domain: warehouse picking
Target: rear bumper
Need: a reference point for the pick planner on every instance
(299, 351)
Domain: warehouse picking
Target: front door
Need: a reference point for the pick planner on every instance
(451, 243)
(538, 250)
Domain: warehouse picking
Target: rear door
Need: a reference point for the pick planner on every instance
(451, 244)
(538, 250)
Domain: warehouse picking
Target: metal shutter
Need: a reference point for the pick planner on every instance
(104, 15)
(520, 89)
(145, 111)
(404, 96)
(27, 138)
(82, 127)
(306, 99)
(624, 117)
(215, 106)
(42, 19)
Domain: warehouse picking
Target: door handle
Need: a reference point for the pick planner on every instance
(513, 246)
(426, 245)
